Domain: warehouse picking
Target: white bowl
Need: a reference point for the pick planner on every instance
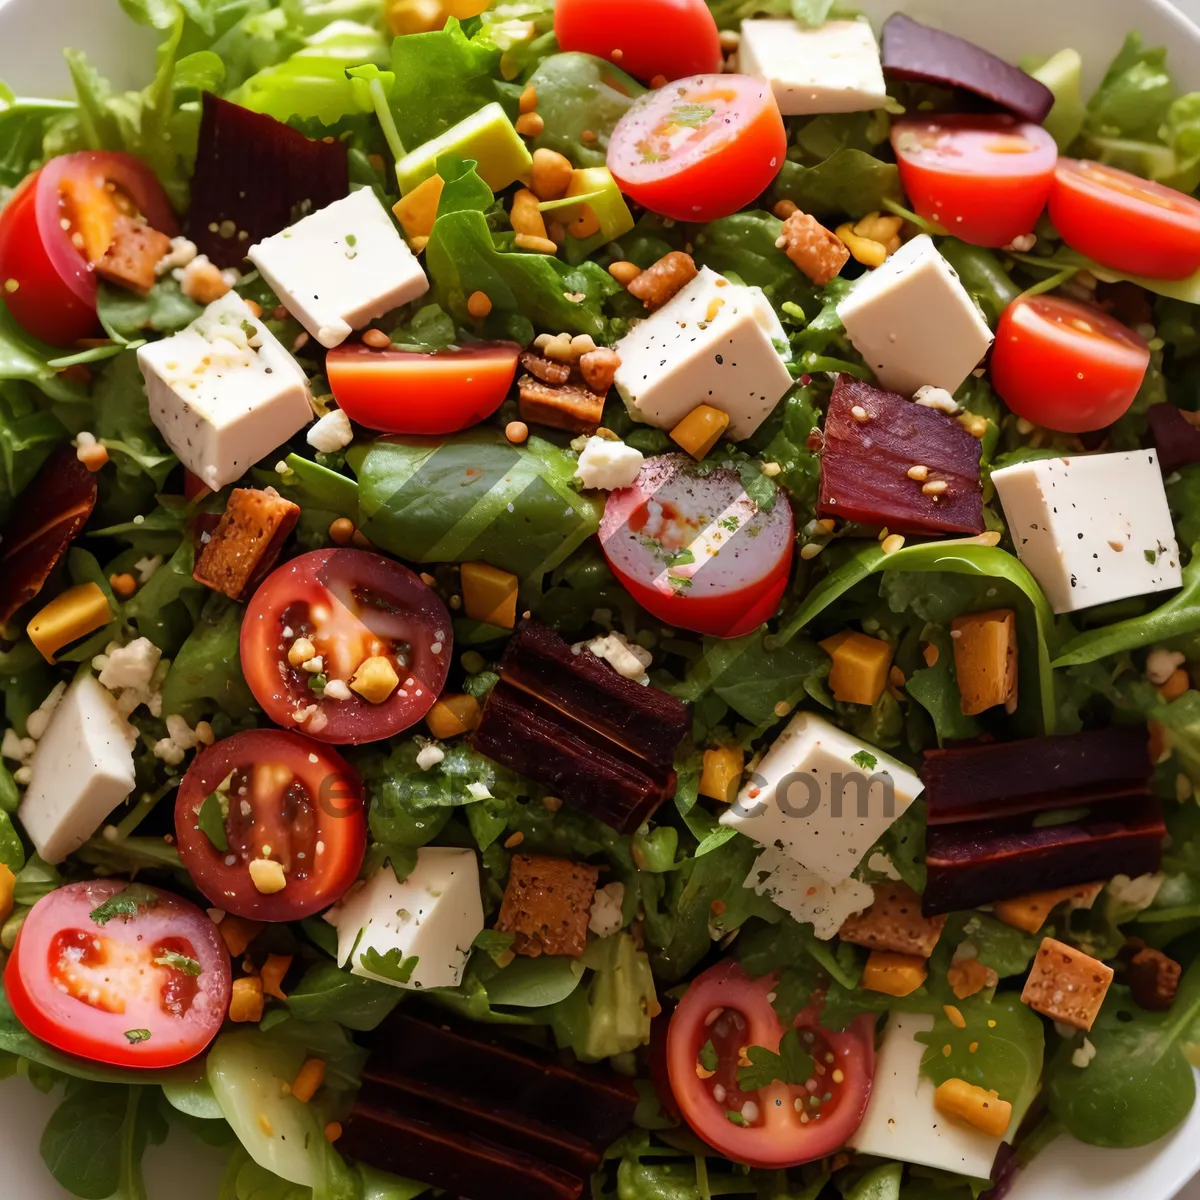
(32, 36)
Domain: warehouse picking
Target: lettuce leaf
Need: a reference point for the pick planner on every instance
(850, 183)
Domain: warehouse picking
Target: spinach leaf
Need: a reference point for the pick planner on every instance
(850, 183)
(935, 688)
(27, 435)
(327, 993)
(12, 852)
(22, 127)
(982, 274)
(743, 246)
(24, 358)
(208, 667)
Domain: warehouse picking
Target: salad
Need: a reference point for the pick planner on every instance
(598, 599)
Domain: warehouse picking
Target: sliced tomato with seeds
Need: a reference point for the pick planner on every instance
(700, 148)
(267, 797)
(119, 973)
(364, 616)
(716, 1029)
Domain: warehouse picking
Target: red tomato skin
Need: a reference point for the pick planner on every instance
(717, 184)
(73, 1026)
(1060, 378)
(399, 391)
(342, 825)
(985, 199)
(277, 688)
(647, 38)
(1093, 208)
(781, 1141)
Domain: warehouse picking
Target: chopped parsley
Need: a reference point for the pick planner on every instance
(865, 759)
(649, 154)
(392, 965)
(1151, 556)
(136, 898)
(211, 821)
(137, 1035)
(692, 116)
(682, 558)
(496, 945)
(708, 1056)
(178, 962)
(793, 1064)
(734, 1118)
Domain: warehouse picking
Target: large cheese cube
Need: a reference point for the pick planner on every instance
(834, 68)
(432, 917)
(901, 1122)
(81, 771)
(340, 268)
(224, 392)
(1092, 528)
(806, 897)
(713, 343)
(822, 797)
(914, 323)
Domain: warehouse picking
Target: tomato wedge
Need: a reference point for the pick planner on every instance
(647, 38)
(695, 550)
(59, 222)
(119, 973)
(404, 391)
(700, 148)
(278, 797)
(782, 1124)
(985, 179)
(350, 606)
(1065, 366)
(1124, 222)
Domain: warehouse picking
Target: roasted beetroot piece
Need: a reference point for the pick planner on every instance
(915, 51)
(48, 516)
(975, 783)
(567, 720)
(889, 461)
(461, 1163)
(983, 861)
(254, 177)
(1176, 436)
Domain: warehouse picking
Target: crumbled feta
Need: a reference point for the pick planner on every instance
(607, 903)
(807, 897)
(882, 865)
(336, 689)
(181, 738)
(624, 656)
(145, 567)
(1134, 894)
(936, 397)
(608, 465)
(17, 748)
(1083, 1054)
(479, 791)
(182, 252)
(429, 756)
(134, 674)
(1162, 664)
(204, 282)
(331, 433)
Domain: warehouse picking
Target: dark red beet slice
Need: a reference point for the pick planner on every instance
(973, 783)
(461, 1163)
(915, 51)
(1176, 439)
(255, 176)
(866, 460)
(49, 514)
(982, 861)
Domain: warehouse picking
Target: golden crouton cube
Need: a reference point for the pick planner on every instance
(985, 659)
(246, 542)
(894, 922)
(1066, 985)
(547, 904)
(815, 250)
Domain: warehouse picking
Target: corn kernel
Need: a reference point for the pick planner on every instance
(75, 613)
(237, 933)
(308, 1080)
(489, 594)
(878, 228)
(700, 430)
(272, 973)
(453, 715)
(375, 680)
(894, 974)
(246, 1001)
(417, 211)
(268, 876)
(722, 772)
(864, 250)
(983, 1109)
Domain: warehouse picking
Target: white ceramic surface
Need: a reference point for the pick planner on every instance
(32, 34)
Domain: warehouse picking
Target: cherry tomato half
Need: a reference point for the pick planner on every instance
(402, 391)
(119, 973)
(695, 550)
(1124, 222)
(352, 606)
(55, 294)
(283, 798)
(700, 148)
(647, 38)
(1065, 366)
(772, 1133)
(985, 179)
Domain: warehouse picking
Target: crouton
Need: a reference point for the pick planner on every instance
(547, 905)
(570, 406)
(660, 283)
(985, 659)
(894, 922)
(134, 252)
(1066, 985)
(813, 249)
(246, 542)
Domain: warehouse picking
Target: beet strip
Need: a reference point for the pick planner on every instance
(1176, 439)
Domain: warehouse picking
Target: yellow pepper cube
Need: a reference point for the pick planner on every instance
(272, 973)
(74, 614)
(700, 430)
(375, 680)
(489, 594)
(452, 715)
(8, 886)
(894, 974)
(860, 666)
(237, 933)
(308, 1080)
(722, 773)
(417, 211)
(985, 659)
(975, 1105)
(246, 1002)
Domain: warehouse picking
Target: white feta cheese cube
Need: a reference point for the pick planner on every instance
(822, 797)
(608, 465)
(224, 392)
(331, 433)
(1092, 528)
(901, 1122)
(805, 896)
(433, 916)
(713, 343)
(340, 268)
(914, 323)
(834, 68)
(81, 771)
